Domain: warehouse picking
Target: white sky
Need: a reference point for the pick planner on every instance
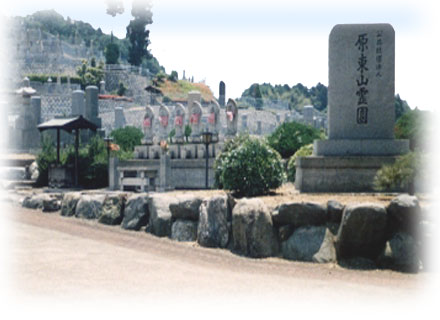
(246, 41)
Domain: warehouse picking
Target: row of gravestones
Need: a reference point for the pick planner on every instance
(191, 116)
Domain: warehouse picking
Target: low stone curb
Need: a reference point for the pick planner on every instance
(386, 236)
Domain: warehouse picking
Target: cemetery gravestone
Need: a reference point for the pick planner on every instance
(92, 105)
(360, 113)
(195, 118)
(147, 126)
(179, 123)
(78, 103)
(213, 119)
(164, 116)
(119, 118)
(231, 118)
(222, 94)
(193, 96)
(308, 112)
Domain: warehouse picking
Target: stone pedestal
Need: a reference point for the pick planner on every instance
(164, 173)
(339, 174)
(358, 147)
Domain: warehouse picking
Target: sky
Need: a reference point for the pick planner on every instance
(243, 42)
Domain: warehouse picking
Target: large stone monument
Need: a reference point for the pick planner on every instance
(360, 113)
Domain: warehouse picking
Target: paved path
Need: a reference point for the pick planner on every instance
(69, 258)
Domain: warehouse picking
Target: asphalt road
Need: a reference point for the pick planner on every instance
(69, 259)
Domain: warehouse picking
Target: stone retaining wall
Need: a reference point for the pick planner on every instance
(367, 235)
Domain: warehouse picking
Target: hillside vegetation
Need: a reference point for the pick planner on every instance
(299, 96)
(76, 32)
(178, 90)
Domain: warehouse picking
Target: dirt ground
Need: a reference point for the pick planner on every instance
(56, 256)
(288, 193)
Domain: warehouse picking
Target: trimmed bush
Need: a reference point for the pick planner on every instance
(44, 77)
(304, 151)
(127, 138)
(291, 136)
(248, 167)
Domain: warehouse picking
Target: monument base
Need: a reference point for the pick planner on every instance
(339, 173)
(360, 147)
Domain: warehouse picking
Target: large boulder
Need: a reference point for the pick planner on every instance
(112, 209)
(160, 215)
(69, 203)
(300, 214)
(89, 206)
(362, 232)
(184, 230)
(404, 214)
(186, 207)
(35, 201)
(213, 228)
(253, 232)
(136, 213)
(401, 253)
(51, 204)
(334, 211)
(310, 243)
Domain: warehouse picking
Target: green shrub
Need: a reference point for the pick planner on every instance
(44, 77)
(400, 175)
(304, 151)
(127, 138)
(291, 136)
(248, 167)
(122, 89)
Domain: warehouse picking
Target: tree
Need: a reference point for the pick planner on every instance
(127, 138)
(291, 136)
(111, 53)
(137, 32)
(174, 76)
(122, 89)
(114, 7)
(411, 126)
(400, 107)
(90, 75)
(258, 98)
